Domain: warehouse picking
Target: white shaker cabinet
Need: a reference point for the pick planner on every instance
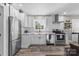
(38, 39)
(75, 38)
(25, 41)
(30, 39)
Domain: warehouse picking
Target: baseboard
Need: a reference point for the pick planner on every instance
(37, 45)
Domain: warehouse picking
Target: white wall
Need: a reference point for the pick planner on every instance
(1, 29)
(4, 25)
(6, 14)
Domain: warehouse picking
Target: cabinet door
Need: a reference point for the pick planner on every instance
(42, 39)
(75, 25)
(29, 21)
(25, 41)
(32, 39)
(35, 39)
(38, 39)
(75, 38)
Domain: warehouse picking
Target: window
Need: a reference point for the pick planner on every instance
(39, 22)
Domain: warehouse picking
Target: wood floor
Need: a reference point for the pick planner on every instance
(42, 51)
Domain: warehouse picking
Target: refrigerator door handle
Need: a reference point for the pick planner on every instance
(0, 34)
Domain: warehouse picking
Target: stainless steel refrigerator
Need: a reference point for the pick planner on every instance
(14, 35)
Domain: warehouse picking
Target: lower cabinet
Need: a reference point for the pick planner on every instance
(38, 39)
(30, 39)
(25, 42)
(75, 38)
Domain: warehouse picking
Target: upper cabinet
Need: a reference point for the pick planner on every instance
(35, 21)
(28, 21)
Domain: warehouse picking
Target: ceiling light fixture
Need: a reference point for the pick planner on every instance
(64, 13)
(20, 5)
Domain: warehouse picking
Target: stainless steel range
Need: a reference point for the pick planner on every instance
(60, 38)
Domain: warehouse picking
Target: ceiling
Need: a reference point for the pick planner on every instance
(48, 8)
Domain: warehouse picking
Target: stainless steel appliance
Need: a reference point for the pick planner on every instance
(60, 39)
(14, 35)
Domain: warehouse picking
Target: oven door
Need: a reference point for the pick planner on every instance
(60, 39)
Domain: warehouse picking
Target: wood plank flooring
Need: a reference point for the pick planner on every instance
(42, 51)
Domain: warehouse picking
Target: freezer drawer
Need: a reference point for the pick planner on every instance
(16, 45)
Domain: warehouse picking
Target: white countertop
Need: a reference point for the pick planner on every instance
(39, 33)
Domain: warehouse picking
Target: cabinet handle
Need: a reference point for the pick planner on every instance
(0, 34)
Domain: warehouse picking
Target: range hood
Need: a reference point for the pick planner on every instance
(58, 18)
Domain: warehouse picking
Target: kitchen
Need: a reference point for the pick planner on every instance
(41, 37)
(39, 24)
